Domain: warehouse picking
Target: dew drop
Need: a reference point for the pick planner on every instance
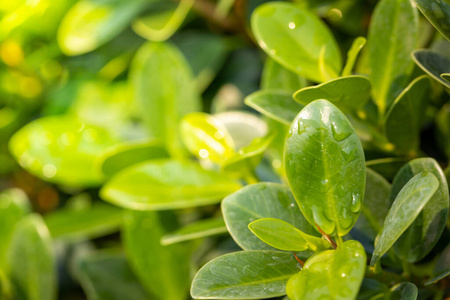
(291, 25)
(340, 132)
(203, 153)
(320, 219)
(348, 152)
(356, 203)
(345, 219)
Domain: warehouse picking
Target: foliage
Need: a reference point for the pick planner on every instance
(131, 168)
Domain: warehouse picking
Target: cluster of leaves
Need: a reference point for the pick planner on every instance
(336, 191)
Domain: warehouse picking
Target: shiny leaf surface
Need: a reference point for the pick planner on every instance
(404, 291)
(200, 229)
(437, 12)
(433, 63)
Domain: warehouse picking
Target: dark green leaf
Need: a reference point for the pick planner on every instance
(433, 63)
(325, 167)
(408, 204)
(282, 235)
(90, 24)
(124, 155)
(404, 291)
(96, 221)
(163, 270)
(352, 54)
(446, 76)
(437, 12)
(31, 262)
(61, 149)
(332, 274)
(387, 167)
(165, 90)
(277, 77)
(167, 184)
(424, 233)
(107, 276)
(200, 229)
(406, 115)
(375, 206)
(245, 275)
(348, 93)
(261, 200)
(442, 266)
(372, 289)
(393, 34)
(297, 39)
(275, 104)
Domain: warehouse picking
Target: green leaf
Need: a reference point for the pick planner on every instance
(372, 289)
(200, 229)
(405, 117)
(325, 167)
(408, 203)
(275, 104)
(61, 149)
(404, 291)
(433, 63)
(348, 93)
(277, 77)
(352, 54)
(437, 12)
(206, 137)
(257, 201)
(31, 262)
(297, 39)
(165, 90)
(282, 235)
(90, 24)
(393, 35)
(118, 157)
(245, 275)
(92, 222)
(167, 184)
(442, 121)
(441, 268)
(160, 25)
(14, 205)
(375, 206)
(387, 167)
(423, 234)
(163, 270)
(332, 274)
(107, 276)
(248, 157)
(446, 76)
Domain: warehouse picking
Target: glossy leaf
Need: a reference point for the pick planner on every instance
(92, 222)
(31, 262)
(200, 229)
(107, 276)
(437, 12)
(165, 90)
(14, 205)
(332, 274)
(387, 167)
(277, 77)
(206, 137)
(282, 235)
(61, 149)
(405, 117)
(433, 63)
(348, 93)
(425, 231)
(121, 156)
(375, 206)
(295, 38)
(352, 54)
(442, 266)
(167, 184)
(247, 157)
(161, 25)
(245, 275)
(90, 24)
(256, 201)
(393, 35)
(325, 167)
(164, 273)
(275, 104)
(404, 291)
(408, 203)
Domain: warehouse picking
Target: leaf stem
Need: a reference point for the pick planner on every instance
(301, 262)
(327, 237)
